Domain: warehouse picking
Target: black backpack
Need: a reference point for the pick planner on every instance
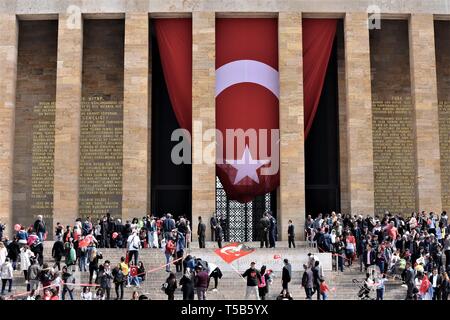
(118, 275)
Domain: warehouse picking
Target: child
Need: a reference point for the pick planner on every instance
(324, 289)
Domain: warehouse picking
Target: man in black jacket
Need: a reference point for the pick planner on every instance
(307, 281)
(272, 230)
(264, 230)
(58, 252)
(291, 234)
(213, 224)
(436, 281)
(316, 279)
(201, 232)
(219, 235)
(409, 280)
(286, 275)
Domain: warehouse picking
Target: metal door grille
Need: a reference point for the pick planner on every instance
(240, 220)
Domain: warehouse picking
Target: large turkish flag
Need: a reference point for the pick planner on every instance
(247, 90)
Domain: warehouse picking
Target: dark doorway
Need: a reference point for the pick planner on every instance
(322, 148)
(171, 184)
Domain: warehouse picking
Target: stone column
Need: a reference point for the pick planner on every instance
(359, 114)
(203, 119)
(67, 119)
(135, 116)
(343, 152)
(424, 98)
(9, 31)
(292, 155)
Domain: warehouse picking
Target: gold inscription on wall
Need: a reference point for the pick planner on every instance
(394, 160)
(101, 157)
(43, 147)
(444, 143)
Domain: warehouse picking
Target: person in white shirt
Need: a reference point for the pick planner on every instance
(133, 245)
(6, 273)
(86, 294)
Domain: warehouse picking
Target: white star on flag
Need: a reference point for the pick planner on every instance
(246, 166)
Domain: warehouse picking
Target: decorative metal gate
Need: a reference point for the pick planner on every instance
(240, 220)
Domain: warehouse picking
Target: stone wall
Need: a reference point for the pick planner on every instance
(442, 40)
(101, 132)
(34, 136)
(393, 123)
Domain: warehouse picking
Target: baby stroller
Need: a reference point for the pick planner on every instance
(364, 290)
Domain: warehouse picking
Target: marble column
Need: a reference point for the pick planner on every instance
(135, 116)
(67, 118)
(292, 155)
(203, 119)
(9, 31)
(424, 98)
(359, 114)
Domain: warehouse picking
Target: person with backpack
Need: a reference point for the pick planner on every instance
(33, 274)
(180, 243)
(168, 225)
(67, 279)
(58, 252)
(187, 285)
(169, 252)
(39, 228)
(36, 247)
(94, 258)
(134, 245)
(82, 258)
(170, 286)
(263, 283)
(118, 279)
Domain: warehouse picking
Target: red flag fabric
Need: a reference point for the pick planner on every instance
(233, 251)
(318, 36)
(247, 91)
(174, 38)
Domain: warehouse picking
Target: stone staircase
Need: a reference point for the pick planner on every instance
(231, 286)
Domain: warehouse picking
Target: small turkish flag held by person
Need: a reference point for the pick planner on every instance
(85, 242)
(233, 251)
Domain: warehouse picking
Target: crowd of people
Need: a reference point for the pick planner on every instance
(79, 246)
(413, 249)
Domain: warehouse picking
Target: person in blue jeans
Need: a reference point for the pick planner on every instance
(381, 287)
(67, 279)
